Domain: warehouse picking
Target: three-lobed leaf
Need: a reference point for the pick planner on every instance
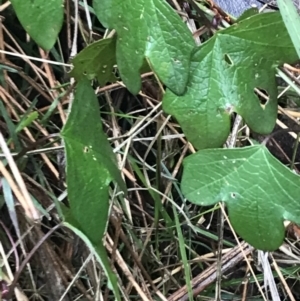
(258, 190)
(224, 73)
(151, 29)
(41, 19)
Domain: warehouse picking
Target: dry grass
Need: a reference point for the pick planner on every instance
(158, 243)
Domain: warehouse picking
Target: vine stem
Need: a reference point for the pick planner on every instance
(230, 144)
(267, 139)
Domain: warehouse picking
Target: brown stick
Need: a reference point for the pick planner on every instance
(200, 282)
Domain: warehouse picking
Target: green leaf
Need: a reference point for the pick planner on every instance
(291, 20)
(248, 13)
(151, 29)
(96, 61)
(41, 19)
(91, 164)
(258, 190)
(223, 75)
